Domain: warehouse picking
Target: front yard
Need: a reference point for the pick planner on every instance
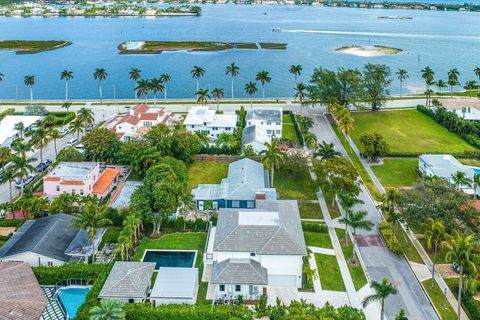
(356, 270)
(317, 239)
(398, 172)
(207, 172)
(297, 185)
(288, 129)
(310, 210)
(329, 272)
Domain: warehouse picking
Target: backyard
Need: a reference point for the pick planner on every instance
(288, 129)
(397, 172)
(296, 185)
(310, 210)
(408, 131)
(208, 172)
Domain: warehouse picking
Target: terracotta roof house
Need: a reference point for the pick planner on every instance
(20, 293)
(140, 117)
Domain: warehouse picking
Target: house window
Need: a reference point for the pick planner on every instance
(215, 128)
(81, 192)
(269, 131)
(252, 254)
(193, 127)
(468, 110)
(279, 131)
(50, 263)
(131, 301)
(278, 123)
(73, 191)
(269, 123)
(235, 204)
(222, 288)
(250, 204)
(238, 288)
(58, 188)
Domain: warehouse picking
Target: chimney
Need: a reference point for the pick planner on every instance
(260, 196)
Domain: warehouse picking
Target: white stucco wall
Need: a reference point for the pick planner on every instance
(33, 259)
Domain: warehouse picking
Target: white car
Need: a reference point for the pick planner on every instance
(64, 131)
(80, 148)
(24, 182)
(72, 142)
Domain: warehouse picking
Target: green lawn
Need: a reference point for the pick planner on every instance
(297, 185)
(356, 271)
(333, 210)
(111, 235)
(438, 298)
(288, 129)
(408, 131)
(440, 253)
(397, 172)
(310, 210)
(470, 162)
(329, 272)
(206, 172)
(407, 245)
(317, 239)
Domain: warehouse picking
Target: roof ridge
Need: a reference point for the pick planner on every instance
(122, 265)
(46, 233)
(226, 237)
(256, 271)
(270, 239)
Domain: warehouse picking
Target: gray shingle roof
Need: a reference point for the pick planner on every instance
(49, 236)
(243, 230)
(239, 271)
(267, 115)
(245, 178)
(128, 280)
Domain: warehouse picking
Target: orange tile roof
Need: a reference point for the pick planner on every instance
(72, 182)
(141, 108)
(148, 116)
(52, 179)
(105, 180)
(128, 118)
(167, 117)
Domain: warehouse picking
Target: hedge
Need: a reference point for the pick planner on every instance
(63, 117)
(79, 270)
(141, 311)
(11, 223)
(6, 113)
(315, 227)
(298, 131)
(181, 224)
(389, 237)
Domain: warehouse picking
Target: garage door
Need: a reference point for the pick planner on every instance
(282, 281)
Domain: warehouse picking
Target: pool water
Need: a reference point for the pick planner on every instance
(72, 298)
(476, 171)
(179, 259)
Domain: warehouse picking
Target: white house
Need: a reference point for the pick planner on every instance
(444, 166)
(468, 109)
(251, 250)
(139, 120)
(206, 121)
(261, 126)
(7, 127)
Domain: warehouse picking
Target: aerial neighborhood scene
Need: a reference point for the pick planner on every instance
(239, 159)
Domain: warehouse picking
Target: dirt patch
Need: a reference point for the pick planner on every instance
(446, 271)
(5, 231)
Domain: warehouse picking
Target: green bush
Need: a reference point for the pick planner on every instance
(52, 275)
(11, 223)
(63, 117)
(315, 227)
(180, 224)
(389, 237)
(6, 113)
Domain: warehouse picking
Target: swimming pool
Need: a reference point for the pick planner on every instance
(476, 170)
(71, 298)
(170, 258)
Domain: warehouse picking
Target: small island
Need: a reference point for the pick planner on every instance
(155, 47)
(32, 46)
(368, 51)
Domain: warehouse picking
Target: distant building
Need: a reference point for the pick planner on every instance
(83, 178)
(8, 131)
(139, 120)
(247, 182)
(49, 241)
(206, 121)
(261, 126)
(468, 109)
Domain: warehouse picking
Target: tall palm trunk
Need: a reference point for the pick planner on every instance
(401, 83)
(382, 310)
(272, 172)
(155, 99)
(100, 90)
(135, 90)
(11, 193)
(231, 84)
(41, 154)
(434, 261)
(31, 95)
(198, 84)
(66, 90)
(165, 92)
(55, 146)
(263, 91)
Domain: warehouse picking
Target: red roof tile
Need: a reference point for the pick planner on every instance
(129, 119)
(141, 108)
(148, 116)
(105, 180)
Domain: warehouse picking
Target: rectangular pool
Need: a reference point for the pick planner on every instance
(170, 258)
(71, 298)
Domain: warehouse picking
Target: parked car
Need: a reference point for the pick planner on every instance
(42, 166)
(72, 142)
(80, 148)
(24, 182)
(90, 127)
(64, 131)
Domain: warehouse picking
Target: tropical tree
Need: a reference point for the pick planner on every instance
(348, 200)
(376, 82)
(427, 75)
(402, 75)
(301, 91)
(86, 116)
(40, 137)
(264, 78)
(20, 127)
(67, 76)
(440, 85)
(251, 89)
(165, 78)
(156, 86)
(309, 139)
(66, 105)
(217, 95)
(296, 70)
(470, 85)
(272, 156)
(5, 156)
(452, 79)
(143, 86)
(326, 151)
(233, 70)
(476, 184)
(356, 220)
(8, 177)
(125, 243)
(461, 249)
(476, 71)
(134, 74)
(22, 167)
(76, 126)
(30, 82)
(202, 96)
(91, 218)
(460, 179)
(108, 310)
(345, 121)
(197, 72)
(100, 74)
(2, 76)
(401, 315)
(54, 134)
(382, 291)
(227, 140)
(435, 234)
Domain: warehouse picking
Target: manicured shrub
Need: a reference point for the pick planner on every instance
(315, 227)
(389, 237)
(11, 223)
(6, 112)
(52, 275)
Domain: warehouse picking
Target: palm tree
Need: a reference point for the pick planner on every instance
(86, 116)
(40, 138)
(476, 71)
(428, 96)
(49, 120)
(5, 156)
(460, 179)
(272, 156)
(357, 220)
(133, 222)
(233, 70)
(402, 75)
(401, 315)
(348, 201)
(91, 218)
(20, 127)
(197, 72)
(165, 78)
(476, 184)
(54, 134)
(8, 176)
(2, 76)
(156, 86)
(434, 232)
(218, 94)
(461, 249)
(134, 74)
(202, 96)
(326, 151)
(108, 310)
(264, 78)
(100, 74)
(251, 89)
(76, 126)
(22, 167)
(453, 79)
(310, 140)
(227, 140)
(67, 76)
(296, 70)
(382, 291)
(30, 82)
(301, 91)
(67, 106)
(440, 85)
(470, 85)
(143, 86)
(345, 121)
(427, 75)
(125, 243)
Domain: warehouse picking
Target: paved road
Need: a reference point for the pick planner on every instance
(379, 261)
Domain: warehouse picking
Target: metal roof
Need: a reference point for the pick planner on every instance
(123, 199)
(73, 171)
(239, 271)
(175, 283)
(128, 280)
(444, 165)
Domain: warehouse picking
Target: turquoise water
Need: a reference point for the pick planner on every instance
(442, 40)
(72, 298)
(174, 259)
(477, 171)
